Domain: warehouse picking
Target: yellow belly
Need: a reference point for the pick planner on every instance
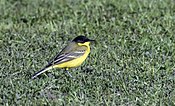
(73, 63)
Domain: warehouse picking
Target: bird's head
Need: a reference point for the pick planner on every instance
(82, 40)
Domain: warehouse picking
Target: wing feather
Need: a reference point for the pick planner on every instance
(70, 52)
(69, 56)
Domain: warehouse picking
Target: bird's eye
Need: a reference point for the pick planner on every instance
(80, 41)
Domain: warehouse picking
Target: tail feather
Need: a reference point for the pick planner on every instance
(41, 71)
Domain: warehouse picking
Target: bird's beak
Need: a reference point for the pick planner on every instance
(91, 40)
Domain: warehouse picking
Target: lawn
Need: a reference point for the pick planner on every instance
(132, 63)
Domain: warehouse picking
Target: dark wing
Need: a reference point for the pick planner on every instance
(70, 52)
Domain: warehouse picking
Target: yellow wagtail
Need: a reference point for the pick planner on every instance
(72, 55)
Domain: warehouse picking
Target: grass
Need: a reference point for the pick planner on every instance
(131, 64)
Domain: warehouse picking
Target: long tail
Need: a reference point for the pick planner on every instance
(48, 67)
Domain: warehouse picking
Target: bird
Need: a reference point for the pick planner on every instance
(73, 55)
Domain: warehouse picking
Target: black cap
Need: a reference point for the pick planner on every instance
(82, 39)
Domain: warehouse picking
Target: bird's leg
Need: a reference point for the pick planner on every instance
(68, 72)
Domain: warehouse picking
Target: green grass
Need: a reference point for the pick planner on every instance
(133, 62)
